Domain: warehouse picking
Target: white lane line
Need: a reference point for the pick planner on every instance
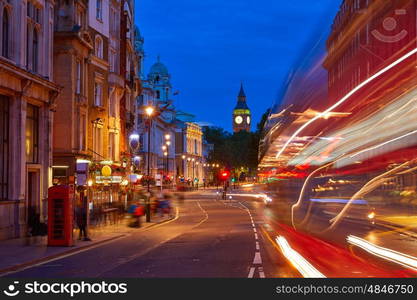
(251, 272)
(257, 260)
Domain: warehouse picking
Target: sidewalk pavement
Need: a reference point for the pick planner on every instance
(20, 253)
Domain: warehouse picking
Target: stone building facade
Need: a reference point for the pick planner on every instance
(27, 101)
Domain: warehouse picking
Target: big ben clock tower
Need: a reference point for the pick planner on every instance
(241, 113)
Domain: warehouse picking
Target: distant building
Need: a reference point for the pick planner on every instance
(241, 118)
(189, 152)
(156, 92)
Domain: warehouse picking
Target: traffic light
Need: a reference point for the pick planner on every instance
(224, 175)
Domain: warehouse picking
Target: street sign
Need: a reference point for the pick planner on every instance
(158, 180)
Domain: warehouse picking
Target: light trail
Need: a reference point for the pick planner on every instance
(347, 96)
(300, 263)
(383, 144)
(405, 260)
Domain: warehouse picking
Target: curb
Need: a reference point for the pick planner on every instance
(34, 262)
(57, 255)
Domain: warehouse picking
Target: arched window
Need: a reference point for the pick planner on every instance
(5, 34)
(99, 47)
(35, 51)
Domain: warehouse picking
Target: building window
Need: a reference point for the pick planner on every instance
(79, 17)
(113, 105)
(158, 95)
(32, 134)
(4, 147)
(113, 146)
(5, 34)
(37, 15)
(28, 46)
(99, 10)
(35, 51)
(78, 77)
(113, 21)
(99, 47)
(82, 132)
(112, 60)
(29, 9)
(97, 142)
(98, 94)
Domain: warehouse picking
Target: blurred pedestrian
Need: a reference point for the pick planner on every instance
(139, 212)
(81, 219)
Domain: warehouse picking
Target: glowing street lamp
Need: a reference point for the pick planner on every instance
(134, 141)
(149, 110)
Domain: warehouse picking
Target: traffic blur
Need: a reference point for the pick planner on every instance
(339, 154)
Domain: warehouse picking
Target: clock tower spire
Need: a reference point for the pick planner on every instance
(241, 113)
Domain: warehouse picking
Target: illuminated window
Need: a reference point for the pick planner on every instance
(99, 47)
(32, 134)
(98, 94)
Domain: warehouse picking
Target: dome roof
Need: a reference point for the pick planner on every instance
(159, 68)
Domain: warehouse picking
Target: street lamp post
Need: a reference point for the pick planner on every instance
(167, 143)
(183, 166)
(164, 151)
(149, 112)
(188, 166)
(193, 170)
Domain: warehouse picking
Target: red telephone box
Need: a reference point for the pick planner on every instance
(60, 215)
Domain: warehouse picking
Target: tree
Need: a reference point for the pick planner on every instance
(237, 151)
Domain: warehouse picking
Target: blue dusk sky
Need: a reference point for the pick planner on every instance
(211, 46)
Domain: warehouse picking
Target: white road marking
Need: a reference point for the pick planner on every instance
(251, 272)
(257, 260)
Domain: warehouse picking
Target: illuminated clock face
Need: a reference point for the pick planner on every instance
(238, 120)
(248, 120)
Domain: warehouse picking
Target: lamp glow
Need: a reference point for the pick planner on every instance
(149, 110)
